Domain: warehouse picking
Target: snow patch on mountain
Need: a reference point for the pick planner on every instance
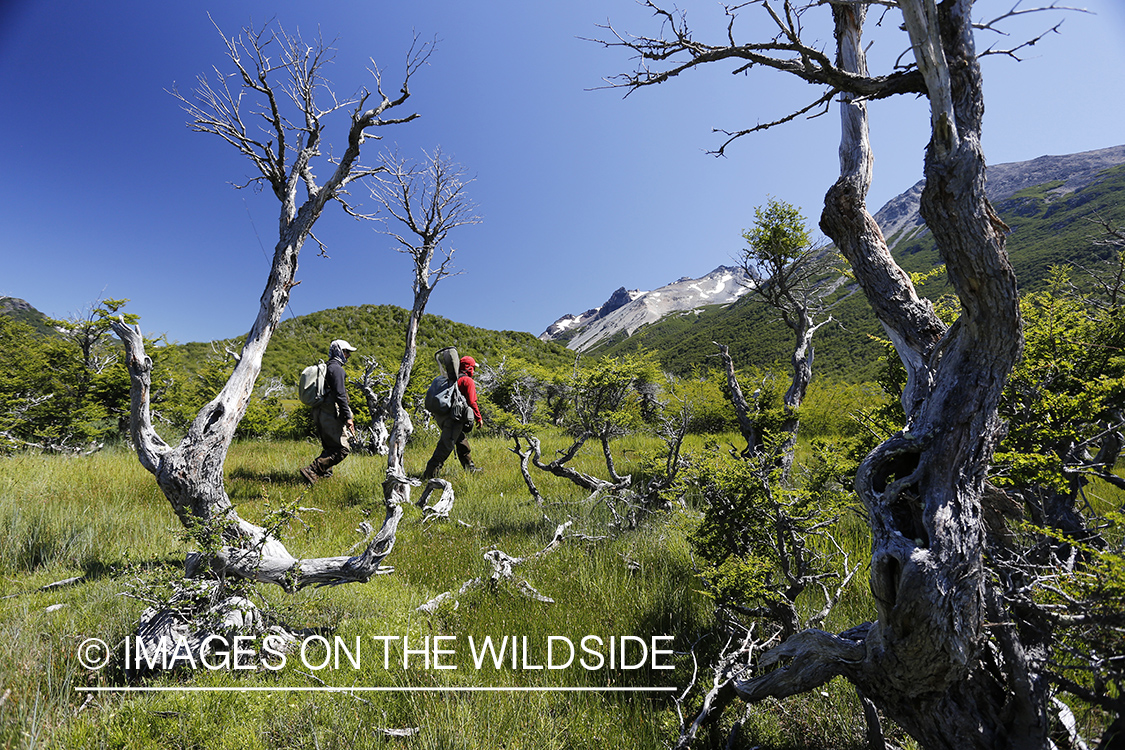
(628, 311)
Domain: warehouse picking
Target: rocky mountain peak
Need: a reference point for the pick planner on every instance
(627, 310)
(617, 300)
(899, 217)
(10, 305)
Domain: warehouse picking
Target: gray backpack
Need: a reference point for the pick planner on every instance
(310, 384)
(443, 398)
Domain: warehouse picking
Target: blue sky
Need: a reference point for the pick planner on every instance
(107, 193)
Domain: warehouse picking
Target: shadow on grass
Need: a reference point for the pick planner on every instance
(286, 476)
(95, 570)
(363, 495)
(525, 527)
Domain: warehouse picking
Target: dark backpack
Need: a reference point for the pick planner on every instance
(444, 399)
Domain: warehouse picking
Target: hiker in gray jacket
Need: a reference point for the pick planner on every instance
(333, 416)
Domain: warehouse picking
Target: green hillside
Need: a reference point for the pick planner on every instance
(757, 337)
(377, 331)
(1047, 228)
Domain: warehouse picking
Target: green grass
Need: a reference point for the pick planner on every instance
(103, 518)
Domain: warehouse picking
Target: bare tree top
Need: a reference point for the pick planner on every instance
(272, 108)
(781, 45)
(428, 199)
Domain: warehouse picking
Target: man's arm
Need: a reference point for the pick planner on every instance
(468, 388)
(336, 384)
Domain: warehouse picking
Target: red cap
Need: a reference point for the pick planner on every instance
(468, 363)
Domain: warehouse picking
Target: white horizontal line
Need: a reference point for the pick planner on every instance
(332, 689)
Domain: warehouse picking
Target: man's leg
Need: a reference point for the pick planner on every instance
(450, 434)
(333, 441)
(465, 451)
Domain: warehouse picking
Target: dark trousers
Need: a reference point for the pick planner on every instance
(333, 434)
(454, 436)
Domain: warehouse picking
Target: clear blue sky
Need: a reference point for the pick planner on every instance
(106, 192)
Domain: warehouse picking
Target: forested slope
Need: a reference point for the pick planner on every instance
(377, 331)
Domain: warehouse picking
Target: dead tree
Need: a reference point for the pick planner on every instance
(746, 411)
(606, 398)
(950, 670)
(429, 201)
(374, 381)
(270, 110)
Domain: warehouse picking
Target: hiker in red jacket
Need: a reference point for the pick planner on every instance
(454, 432)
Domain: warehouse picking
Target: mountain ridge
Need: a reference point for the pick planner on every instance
(721, 286)
(24, 312)
(900, 215)
(899, 219)
(1053, 222)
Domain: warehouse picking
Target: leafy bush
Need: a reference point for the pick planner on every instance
(53, 397)
(706, 394)
(758, 540)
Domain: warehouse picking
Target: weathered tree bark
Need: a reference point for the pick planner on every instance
(802, 362)
(503, 568)
(444, 504)
(746, 425)
(525, 459)
(403, 427)
(559, 468)
(909, 320)
(191, 474)
(925, 661)
(948, 658)
(191, 477)
(376, 406)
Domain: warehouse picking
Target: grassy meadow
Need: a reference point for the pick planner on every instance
(103, 519)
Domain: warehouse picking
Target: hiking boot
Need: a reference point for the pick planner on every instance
(309, 475)
(472, 468)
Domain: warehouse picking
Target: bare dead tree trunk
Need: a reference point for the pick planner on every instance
(909, 320)
(429, 201)
(925, 661)
(377, 407)
(750, 432)
(945, 657)
(802, 361)
(559, 467)
(191, 473)
(525, 459)
(403, 426)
